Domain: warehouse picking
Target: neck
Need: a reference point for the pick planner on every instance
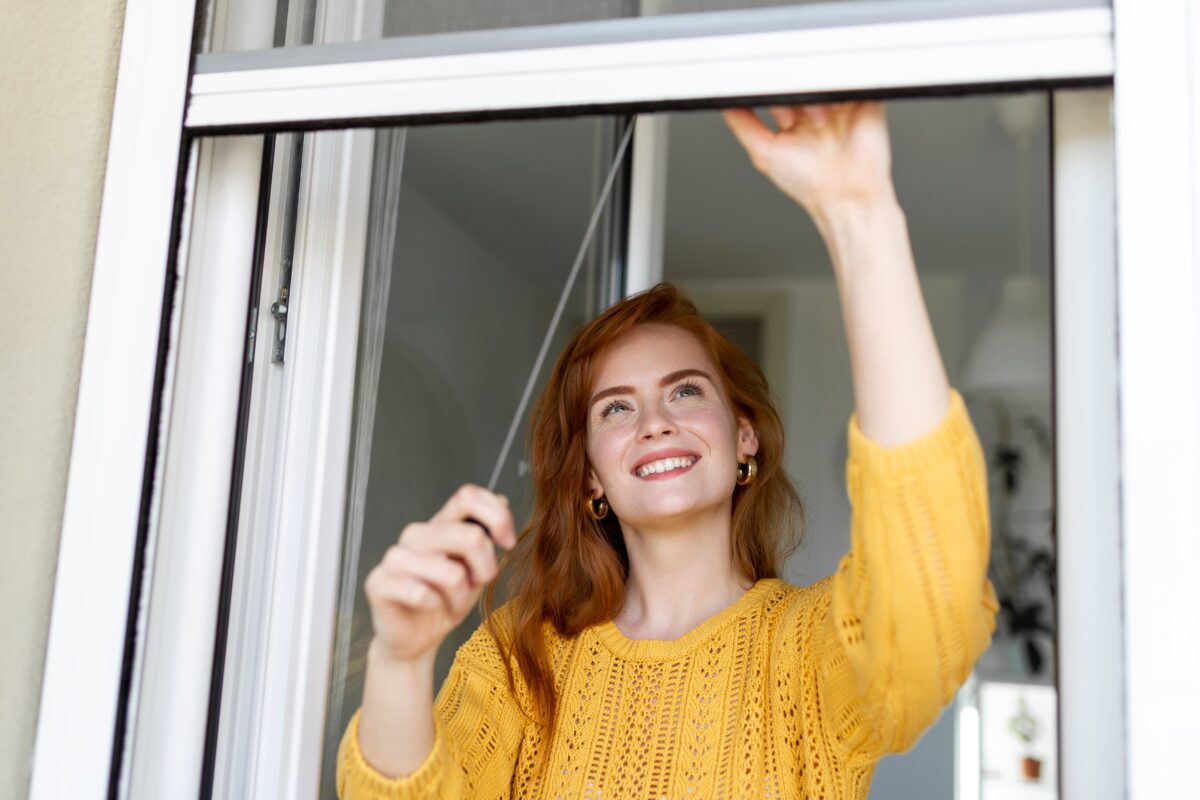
(680, 574)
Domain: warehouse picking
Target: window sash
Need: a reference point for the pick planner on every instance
(302, 86)
(1087, 466)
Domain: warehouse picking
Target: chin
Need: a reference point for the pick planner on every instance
(667, 509)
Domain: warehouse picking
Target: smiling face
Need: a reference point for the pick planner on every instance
(663, 439)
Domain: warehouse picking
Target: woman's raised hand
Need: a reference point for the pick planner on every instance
(823, 154)
(427, 582)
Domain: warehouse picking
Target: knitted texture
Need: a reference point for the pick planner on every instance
(788, 693)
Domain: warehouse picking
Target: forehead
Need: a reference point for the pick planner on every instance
(648, 351)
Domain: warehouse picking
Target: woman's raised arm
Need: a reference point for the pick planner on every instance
(835, 161)
(910, 608)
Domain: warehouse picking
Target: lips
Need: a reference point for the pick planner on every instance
(668, 455)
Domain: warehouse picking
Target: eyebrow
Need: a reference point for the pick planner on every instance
(666, 380)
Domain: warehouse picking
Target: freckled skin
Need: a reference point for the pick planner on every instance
(692, 413)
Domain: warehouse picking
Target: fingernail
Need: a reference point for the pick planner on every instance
(503, 498)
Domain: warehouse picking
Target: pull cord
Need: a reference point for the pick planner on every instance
(562, 303)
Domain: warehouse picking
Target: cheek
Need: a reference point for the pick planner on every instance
(718, 426)
(604, 452)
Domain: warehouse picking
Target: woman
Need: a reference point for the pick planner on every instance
(649, 648)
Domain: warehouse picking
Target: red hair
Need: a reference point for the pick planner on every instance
(567, 568)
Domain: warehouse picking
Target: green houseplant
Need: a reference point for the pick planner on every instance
(1023, 571)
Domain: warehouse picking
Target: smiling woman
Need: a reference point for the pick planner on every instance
(648, 646)
(652, 630)
(685, 441)
(689, 532)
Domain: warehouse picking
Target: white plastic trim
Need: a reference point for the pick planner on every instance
(172, 698)
(245, 646)
(315, 433)
(647, 203)
(295, 473)
(177, 614)
(1060, 44)
(85, 650)
(1087, 400)
(1157, 122)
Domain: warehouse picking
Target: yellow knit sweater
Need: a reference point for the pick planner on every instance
(788, 693)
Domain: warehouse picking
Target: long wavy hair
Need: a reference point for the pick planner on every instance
(569, 569)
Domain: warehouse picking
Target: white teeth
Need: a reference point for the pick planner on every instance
(665, 465)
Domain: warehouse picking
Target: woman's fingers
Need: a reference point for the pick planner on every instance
(407, 591)
(460, 540)
(751, 131)
(490, 509)
(415, 573)
(426, 583)
(784, 116)
(832, 152)
(843, 115)
(757, 138)
(816, 114)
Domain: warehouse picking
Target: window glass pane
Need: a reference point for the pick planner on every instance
(420, 17)
(973, 178)
(483, 224)
(519, 23)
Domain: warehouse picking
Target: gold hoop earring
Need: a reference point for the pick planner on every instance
(747, 471)
(597, 507)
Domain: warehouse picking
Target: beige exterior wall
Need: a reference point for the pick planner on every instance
(58, 64)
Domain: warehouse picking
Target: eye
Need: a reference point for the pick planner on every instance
(613, 406)
(690, 387)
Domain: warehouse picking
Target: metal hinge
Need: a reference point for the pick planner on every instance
(251, 334)
(279, 310)
(291, 207)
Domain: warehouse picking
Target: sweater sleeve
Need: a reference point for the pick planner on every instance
(911, 608)
(478, 727)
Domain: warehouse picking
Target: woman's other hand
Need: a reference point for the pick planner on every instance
(427, 582)
(823, 155)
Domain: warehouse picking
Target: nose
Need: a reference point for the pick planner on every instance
(655, 422)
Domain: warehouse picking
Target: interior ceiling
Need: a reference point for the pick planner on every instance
(526, 188)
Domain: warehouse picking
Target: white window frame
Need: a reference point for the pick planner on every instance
(1087, 468)
(1158, 297)
(940, 52)
(1148, 420)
